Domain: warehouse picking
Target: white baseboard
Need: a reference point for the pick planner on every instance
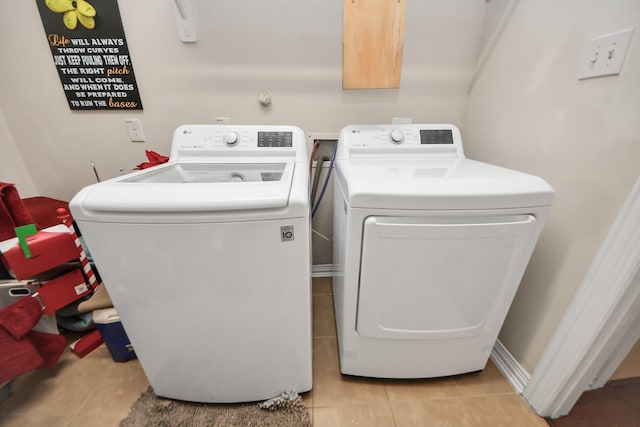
(322, 270)
(513, 371)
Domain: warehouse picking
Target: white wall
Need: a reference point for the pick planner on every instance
(496, 10)
(528, 111)
(291, 48)
(12, 168)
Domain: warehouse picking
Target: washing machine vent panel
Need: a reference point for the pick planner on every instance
(438, 277)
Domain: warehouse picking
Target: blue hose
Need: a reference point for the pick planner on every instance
(326, 181)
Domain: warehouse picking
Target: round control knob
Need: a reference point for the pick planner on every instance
(396, 136)
(236, 177)
(231, 138)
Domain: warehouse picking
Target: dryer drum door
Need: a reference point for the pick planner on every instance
(440, 277)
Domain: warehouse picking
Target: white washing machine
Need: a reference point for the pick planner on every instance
(207, 261)
(430, 248)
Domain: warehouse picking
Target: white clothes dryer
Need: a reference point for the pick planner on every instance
(430, 248)
(207, 261)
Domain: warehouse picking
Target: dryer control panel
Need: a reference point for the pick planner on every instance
(441, 140)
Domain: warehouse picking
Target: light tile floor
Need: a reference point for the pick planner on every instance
(98, 392)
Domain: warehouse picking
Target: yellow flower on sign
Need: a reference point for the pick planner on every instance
(74, 11)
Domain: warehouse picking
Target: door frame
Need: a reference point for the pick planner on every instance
(601, 324)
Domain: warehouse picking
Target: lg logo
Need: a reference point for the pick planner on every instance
(286, 233)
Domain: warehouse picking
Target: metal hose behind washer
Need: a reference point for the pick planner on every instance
(316, 177)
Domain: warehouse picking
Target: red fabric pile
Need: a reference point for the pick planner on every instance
(155, 159)
(13, 212)
(21, 349)
(44, 210)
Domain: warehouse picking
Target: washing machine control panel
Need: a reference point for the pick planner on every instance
(265, 139)
(239, 138)
(212, 140)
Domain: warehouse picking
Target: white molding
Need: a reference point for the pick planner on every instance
(619, 354)
(323, 270)
(599, 322)
(513, 371)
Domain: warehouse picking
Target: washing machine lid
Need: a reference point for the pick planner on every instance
(194, 187)
(438, 183)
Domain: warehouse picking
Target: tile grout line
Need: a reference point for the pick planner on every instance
(83, 404)
(393, 413)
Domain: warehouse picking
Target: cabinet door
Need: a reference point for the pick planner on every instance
(440, 277)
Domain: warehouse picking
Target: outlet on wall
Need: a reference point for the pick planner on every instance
(134, 127)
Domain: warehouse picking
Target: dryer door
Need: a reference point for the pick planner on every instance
(440, 277)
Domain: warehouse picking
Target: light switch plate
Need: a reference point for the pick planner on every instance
(604, 56)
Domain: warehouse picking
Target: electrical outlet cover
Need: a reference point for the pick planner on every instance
(134, 127)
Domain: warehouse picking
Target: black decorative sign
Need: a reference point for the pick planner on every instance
(90, 52)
